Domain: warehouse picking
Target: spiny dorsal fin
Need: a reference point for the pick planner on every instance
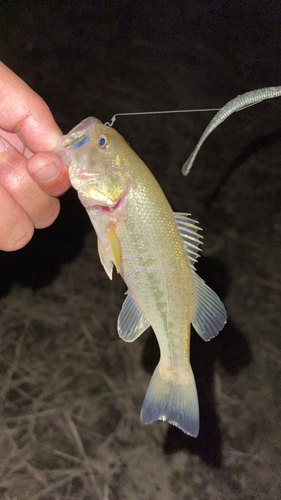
(189, 232)
(210, 314)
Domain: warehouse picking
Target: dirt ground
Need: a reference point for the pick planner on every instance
(71, 390)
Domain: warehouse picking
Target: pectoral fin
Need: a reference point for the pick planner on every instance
(210, 314)
(105, 259)
(115, 247)
(131, 321)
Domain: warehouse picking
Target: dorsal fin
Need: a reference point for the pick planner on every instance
(189, 232)
(210, 314)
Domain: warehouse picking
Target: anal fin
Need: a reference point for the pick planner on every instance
(131, 321)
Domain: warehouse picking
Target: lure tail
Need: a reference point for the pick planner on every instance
(174, 399)
(240, 102)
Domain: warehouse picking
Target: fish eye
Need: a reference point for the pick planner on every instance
(103, 141)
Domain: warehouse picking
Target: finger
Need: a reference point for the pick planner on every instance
(14, 139)
(24, 112)
(16, 228)
(42, 208)
(49, 172)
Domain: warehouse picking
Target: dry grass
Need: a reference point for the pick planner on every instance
(54, 384)
(71, 394)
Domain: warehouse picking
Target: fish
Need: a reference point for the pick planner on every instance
(155, 251)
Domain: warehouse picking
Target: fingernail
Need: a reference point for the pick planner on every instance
(48, 173)
(3, 146)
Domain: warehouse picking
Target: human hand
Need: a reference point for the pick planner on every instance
(31, 176)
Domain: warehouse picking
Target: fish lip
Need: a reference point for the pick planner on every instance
(65, 150)
(97, 206)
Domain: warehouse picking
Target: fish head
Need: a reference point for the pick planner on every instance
(98, 169)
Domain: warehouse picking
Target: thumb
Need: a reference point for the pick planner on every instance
(48, 170)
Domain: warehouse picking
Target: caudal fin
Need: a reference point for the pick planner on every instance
(173, 399)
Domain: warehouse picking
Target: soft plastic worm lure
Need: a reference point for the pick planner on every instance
(240, 102)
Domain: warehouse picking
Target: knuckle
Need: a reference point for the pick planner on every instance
(12, 170)
(18, 238)
(48, 215)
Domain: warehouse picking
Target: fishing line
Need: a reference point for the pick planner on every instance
(240, 102)
(110, 123)
(113, 119)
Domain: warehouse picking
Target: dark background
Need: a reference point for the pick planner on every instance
(100, 58)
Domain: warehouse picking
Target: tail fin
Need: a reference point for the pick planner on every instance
(174, 400)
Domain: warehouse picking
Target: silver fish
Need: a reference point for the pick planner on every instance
(155, 251)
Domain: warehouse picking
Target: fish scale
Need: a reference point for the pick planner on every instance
(160, 243)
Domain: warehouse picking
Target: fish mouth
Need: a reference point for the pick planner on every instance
(97, 206)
